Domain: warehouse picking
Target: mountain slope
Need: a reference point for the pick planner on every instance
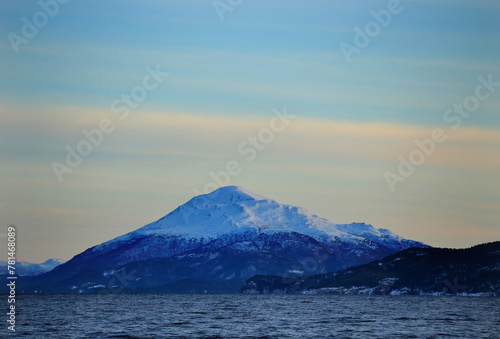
(230, 233)
(234, 210)
(469, 271)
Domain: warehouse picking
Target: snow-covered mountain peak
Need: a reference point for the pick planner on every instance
(228, 194)
(363, 229)
(25, 268)
(235, 210)
(226, 210)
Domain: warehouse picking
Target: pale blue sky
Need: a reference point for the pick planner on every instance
(352, 122)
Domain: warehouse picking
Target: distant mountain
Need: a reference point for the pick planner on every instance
(472, 271)
(24, 268)
(227, 235)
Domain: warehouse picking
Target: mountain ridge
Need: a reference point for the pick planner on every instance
(473, 271)
(230, 233)
(244, 209)
(25, 268)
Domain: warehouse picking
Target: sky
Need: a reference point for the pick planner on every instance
(113, 113)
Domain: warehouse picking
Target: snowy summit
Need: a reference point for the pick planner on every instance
(233, 209)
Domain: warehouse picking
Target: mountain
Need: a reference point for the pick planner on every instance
(229, 234)
(24, 268)
(421, 271)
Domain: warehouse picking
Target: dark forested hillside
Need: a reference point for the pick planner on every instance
(474, 270)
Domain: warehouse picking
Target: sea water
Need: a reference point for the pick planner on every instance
(265, 316)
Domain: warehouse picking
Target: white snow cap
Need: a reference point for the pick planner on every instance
(233, 209)
(227, 194)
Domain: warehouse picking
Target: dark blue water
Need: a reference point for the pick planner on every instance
(233, 316)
